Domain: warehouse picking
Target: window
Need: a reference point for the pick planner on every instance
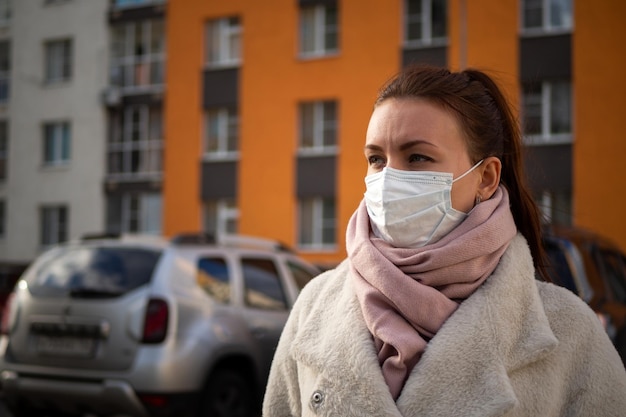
(318, 126)
(114, 270)
(319, 30)
(547, 15)
(56, 143)
(3, 217)
(317, 228)
(221, 132)
(558, 267)
(5, 69)
(138, 55)
(135, 213)
(612, 265)
(223, 42)
(213, 277)
(555, 206)
(4, 149)
(58, 61)
(425, 22)
(301, 275)
(136, 3)
(5, 12)
(54, 225)
(220, 217)
(263, 289)
(135, 148)
(547, 112)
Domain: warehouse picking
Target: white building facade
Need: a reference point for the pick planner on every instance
(57, 125)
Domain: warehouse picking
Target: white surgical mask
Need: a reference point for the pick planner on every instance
(412, 208)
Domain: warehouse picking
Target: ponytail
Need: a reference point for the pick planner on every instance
(525, 211)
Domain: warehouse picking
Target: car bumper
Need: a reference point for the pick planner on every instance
(110, 396)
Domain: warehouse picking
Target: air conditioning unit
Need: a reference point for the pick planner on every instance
(111, 96)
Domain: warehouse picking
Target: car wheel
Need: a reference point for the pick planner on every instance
(227, 394)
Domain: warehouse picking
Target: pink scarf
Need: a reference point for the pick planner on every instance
(406, 294)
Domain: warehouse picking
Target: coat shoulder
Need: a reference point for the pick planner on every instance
(560, 304)
(593, 361)
(327, 283)
(571, 319)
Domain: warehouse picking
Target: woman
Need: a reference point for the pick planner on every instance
(436, 311)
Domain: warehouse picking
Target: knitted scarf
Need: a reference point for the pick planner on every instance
(406, 294)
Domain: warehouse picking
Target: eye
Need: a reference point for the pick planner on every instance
(419, 158)
(376, 161)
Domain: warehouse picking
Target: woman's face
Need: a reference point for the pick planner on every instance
(414, 135)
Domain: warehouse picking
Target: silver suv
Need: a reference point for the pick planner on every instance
(146, 327)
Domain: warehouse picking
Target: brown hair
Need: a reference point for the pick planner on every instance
(490, 130)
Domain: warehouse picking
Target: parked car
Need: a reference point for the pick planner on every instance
(147, 327)
(593, 267)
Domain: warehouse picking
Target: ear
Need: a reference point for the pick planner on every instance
(490, 177)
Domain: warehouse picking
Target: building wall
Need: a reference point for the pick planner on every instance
(599, 91)
(273, 80)
(483, 34)
(5, 35)
(271, 91)
(183, 115)
(29, 184)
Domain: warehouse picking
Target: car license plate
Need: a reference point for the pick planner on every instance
(65, 346)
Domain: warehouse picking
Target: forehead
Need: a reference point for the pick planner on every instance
(412, 119)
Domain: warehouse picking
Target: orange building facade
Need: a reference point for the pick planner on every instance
(599, 150)
(267, 104)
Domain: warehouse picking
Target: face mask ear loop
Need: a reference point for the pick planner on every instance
(468, 171)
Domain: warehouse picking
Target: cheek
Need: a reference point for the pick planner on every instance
(462, 198)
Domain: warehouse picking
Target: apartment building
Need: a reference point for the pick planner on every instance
(266, 109)
(268, 104)
(53, 67)
(134, 103)
(81, 138)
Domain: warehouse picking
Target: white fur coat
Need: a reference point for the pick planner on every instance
(516, 347)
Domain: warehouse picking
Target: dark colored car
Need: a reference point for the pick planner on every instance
(593, 267)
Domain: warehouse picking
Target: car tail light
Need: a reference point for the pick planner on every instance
(5, 324)
(153, 400)
(155, 322)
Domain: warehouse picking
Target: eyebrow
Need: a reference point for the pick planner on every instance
(404, 146)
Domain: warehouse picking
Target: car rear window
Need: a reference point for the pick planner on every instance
(95, 271)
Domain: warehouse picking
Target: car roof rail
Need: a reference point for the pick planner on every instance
(193, 238)
(100, 236)
(132, 238)
(231, 240)
(253, 242)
